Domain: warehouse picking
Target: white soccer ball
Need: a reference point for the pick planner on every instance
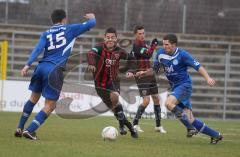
(109, 133)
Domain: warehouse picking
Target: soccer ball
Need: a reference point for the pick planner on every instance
(109, 133)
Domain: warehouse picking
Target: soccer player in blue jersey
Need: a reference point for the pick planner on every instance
(47, 80)
(175, 62)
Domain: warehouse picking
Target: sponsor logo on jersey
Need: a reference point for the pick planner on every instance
(117, 56)
(175, 62)
(110, 62)
(169, 69)
(196, 63)
(144, 92)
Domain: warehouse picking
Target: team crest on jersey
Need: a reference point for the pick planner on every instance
(175, 62)
(117, 56)
(144, 92)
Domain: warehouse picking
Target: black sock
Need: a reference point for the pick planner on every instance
(139, 113)
(118, 113)
(129, 125)
(157, 112)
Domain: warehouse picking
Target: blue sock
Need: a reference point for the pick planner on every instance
(39, 120)
(201, 127)
(178, 112)
(27, 110)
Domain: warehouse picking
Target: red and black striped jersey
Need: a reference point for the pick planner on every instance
(107, 64)
(142, 53)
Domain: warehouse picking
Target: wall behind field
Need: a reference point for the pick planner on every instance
(202, 16)
(13, 101)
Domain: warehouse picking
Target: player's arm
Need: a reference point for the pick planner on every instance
(149, 72)
(204, 73)
(152, 71)
(35, 53)
(146, 52)
(80, 28)
(92, 56)
(198, 67)
(131, 66)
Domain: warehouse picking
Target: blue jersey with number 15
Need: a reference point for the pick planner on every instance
(176, 66)
(57, 42)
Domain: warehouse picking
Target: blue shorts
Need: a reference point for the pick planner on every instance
(48, 80)
(183, 93)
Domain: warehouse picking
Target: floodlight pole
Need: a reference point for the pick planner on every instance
(6, 12)
(184, 19)
(125, 16)
(66, 8)
(227, 73)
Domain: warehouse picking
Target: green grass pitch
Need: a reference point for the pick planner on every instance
(82, 138)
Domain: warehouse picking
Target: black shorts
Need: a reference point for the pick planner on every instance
(104, 93)
(147, 85)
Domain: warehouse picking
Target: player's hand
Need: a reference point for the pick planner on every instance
(24, 70)
(129, 75)
(140, 74)
(211, 82)
(89, 16)
(91, 68)
(154, 42)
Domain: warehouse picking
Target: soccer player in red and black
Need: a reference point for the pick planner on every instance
(104, 61)
(147, 85)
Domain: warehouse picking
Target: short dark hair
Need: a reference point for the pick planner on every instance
(58, 15)
(138, 27)
(172, 38)
(111, 30)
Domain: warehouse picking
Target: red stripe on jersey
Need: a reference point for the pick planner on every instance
(143, 63)
(106, 74)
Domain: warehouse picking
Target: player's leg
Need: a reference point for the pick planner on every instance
(36, 88)
(39, 119)
(171, 104)
(119, 113)
(191, 130)
(180, 96)
(52, 81)
(140, 111)
(143, 85)
(104, 94)
(157, 112)
(27, 110)
(203, 128)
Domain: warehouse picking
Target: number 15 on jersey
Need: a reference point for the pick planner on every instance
(59, 42)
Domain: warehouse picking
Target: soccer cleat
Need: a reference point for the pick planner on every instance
(18, 132)
(28, 135)
(122, 131)
(191, 132)
(215, 140)
(134, 133)
(160, 129)
(137, 128)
